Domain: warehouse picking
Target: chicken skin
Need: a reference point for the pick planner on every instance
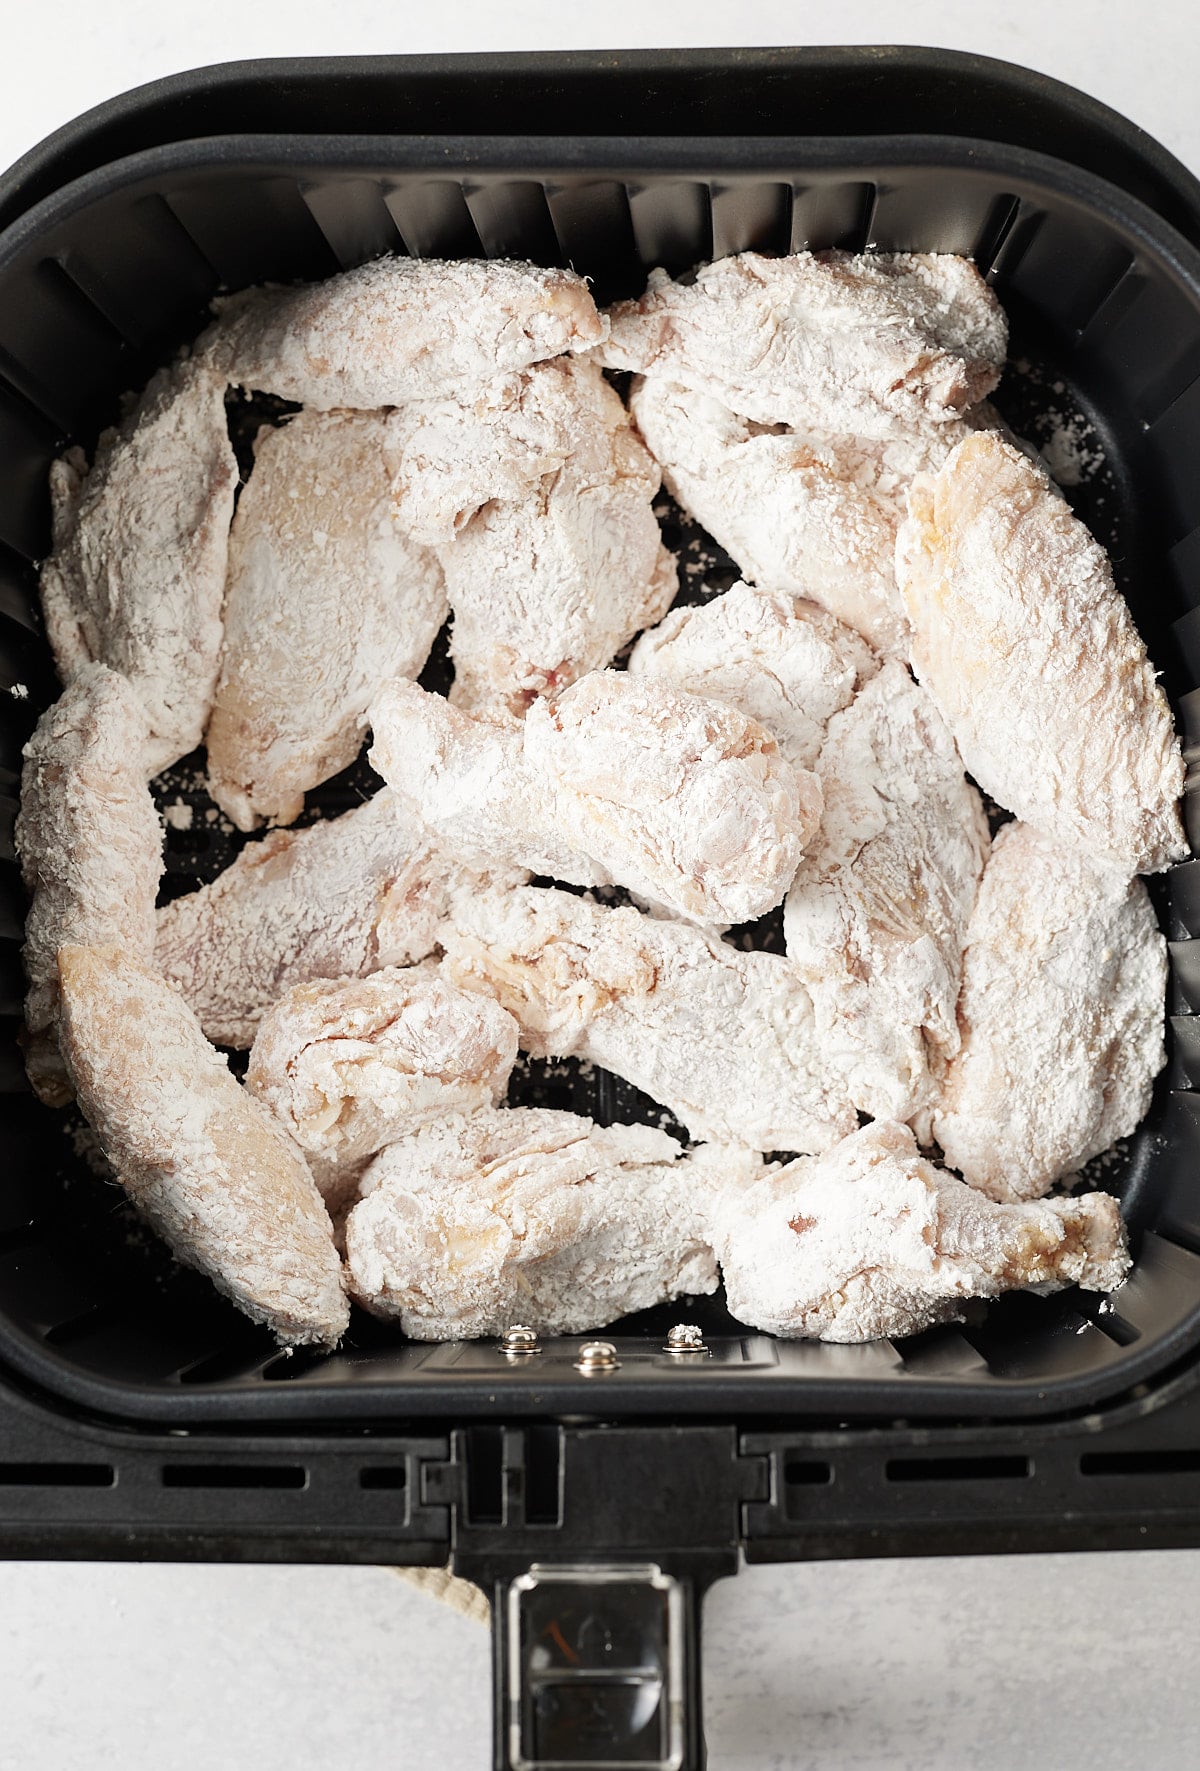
(327, 600)
(871, 1240)
(876, 919)
(201, 1159)
(348, 1065)
(336, 900)
(785, 663)
(538, 495)
(532, 1216)
(90, 847)
(865, 346)
(727, 1040)
(137, 574)
(1023, 640)
(400, 329)
(685, 802)
(1062, 1009)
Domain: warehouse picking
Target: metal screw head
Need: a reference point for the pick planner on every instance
(597, 1356)
(520, 1339)
(685, 1337)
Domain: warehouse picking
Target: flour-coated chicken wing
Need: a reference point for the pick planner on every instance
(1023, 640)
(726, 1039)
(327, 600)
(865, 346)
(400, 329)
(137, 574)
(201, 1158)
(1061, 1014)
(348, 1065)
(871, 1240)
(876, 919)
(90, 846)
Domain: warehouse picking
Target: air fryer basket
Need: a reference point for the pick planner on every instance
(103, 278)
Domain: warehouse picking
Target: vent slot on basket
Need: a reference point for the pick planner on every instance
(1140, 1463)
(57, 1476)
(999, 1468)
(393, 1477)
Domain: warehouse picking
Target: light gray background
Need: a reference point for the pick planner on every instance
(1086, 1661)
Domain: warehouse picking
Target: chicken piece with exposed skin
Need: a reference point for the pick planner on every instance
(725, 1039)
(137, 575)
(864, 346)
(1021, 637)
(400, 329)
(90, 847)
(336, 900)
(870, 1240)
(533, 1216)
(327, 600)
(876, 919)
(685, 802)
(201, 1159)
(348, 1065)
(1062, 1015)
(785, 663)
(539, 494)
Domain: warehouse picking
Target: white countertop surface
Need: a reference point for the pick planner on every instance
(1081, 1663)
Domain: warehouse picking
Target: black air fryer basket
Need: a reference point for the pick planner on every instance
(139, 1414)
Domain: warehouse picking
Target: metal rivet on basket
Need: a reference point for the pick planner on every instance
(597, 1356)
(685, 1337)
(520, 1340)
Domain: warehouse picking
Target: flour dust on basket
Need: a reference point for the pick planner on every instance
(725, 842)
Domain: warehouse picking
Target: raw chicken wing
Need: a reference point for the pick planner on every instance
(140, 543)
(725, 1039)
(531, 1216)
(90, 846)
(348, 1065)
(336, 900)
(400, 329)
(1023, 640)
(199, 1156)
(785, 663)
(866, 345)
(327, 600)
(1062, 1005)
(871, 1240)
(877, 915)
(615, 781)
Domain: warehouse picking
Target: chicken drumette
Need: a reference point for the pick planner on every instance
(685, 802)
(327, 600)
(1061, 1011)
(1023, 640)
(137, 574)
(348, 1065)
(202, 1160)
(871, 1240)
(533, 1216)
(90, 846)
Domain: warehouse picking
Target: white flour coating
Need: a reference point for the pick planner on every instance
(864, 346)
(202, 1160)
(178, 815)
(90, 847)
(140, 542)
(542, 494)
(726, 1040)
(1062, 1010)
(400, 329)
(877, 915)
(327, 599)
(339, 899)
(785, 663)
(348, 1065)
(532, 1216)
(615, 781)
(1022, 638)
(872, 1240)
